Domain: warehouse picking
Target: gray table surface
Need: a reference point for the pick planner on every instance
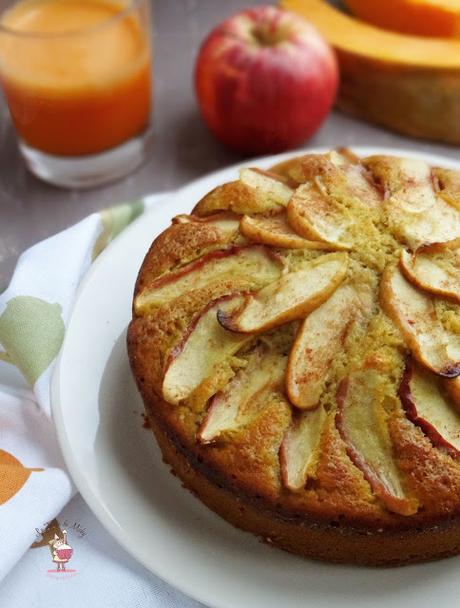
(31, 210)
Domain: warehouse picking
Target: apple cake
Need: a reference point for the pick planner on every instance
(296, 341)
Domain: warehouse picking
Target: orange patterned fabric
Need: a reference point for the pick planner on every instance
(13, 475)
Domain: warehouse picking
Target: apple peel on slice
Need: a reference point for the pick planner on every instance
(361, 424)
(426, 271)
(299, 448)
(275, 231)
(318, 340)
(317, 216)
(415, 315)
(243, 396)
(426, 406)
(291, 297)
(258, 264)
(205, 345)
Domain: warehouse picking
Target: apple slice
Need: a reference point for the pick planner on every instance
(449, 182)
(346, 156)
(244, 395)
(415, 211)
(203, 348)
(226, 221)
(360, 420)
(299, 448)
(340, 175)
(284, 168)
(427, 271)
(318, 340)
(452, 388)
(415, 315)
(291, 297)
(310, 166)
(407, 181)
(270, 186)
(258, 264)
(445, 247)
(274, 230)
(439, 223)
(355, 185)
(426, 406)
(318, 217)
(255, 192)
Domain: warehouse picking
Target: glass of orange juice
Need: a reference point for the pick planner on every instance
(77, 78)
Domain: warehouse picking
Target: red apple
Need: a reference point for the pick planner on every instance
(265, 80)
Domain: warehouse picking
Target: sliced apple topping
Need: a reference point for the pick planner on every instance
(361, 422)
(327, 166)
(414, 313)
(284, 168)
(255, 192)
(226, 221)
(452, 388)
(348, 181)
(433, 273)
(427, 407)
(291, 297)
(299, 448)
(244, 395)
(449, 183)
(316, 216)
(274, 230)
(439, 223)
(270, 186)
(444, 247)
(346, 156)
(416, 213)
(255, 262)
(407, 181)
(204, 347)
(318, 340)
(357, 187)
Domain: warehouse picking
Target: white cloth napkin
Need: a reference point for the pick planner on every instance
(35, 488)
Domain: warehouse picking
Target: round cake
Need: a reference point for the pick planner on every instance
(296, 341)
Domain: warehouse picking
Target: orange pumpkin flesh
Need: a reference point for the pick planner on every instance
(420, 17)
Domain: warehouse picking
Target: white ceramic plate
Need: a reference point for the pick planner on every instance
(118, 469)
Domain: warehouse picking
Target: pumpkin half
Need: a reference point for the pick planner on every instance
(407, 83)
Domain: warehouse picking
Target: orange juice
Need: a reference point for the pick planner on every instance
(76, 74)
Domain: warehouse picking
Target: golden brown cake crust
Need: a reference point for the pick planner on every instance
(311, 539)
(337, 515)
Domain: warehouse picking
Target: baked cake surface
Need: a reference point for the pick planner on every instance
(296, 341)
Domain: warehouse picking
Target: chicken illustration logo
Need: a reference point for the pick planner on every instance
(61, 552)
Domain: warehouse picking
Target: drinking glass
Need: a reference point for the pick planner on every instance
(77, 79)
